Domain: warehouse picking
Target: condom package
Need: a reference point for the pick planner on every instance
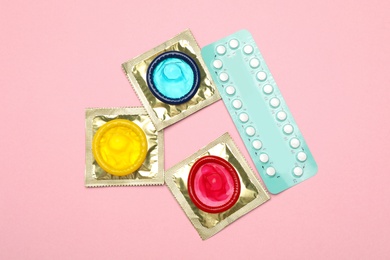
(215, 186)
(123, 148)
(172, 80)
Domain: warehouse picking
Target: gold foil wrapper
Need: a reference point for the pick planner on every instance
(252, 192)
(152, 170)
(163, 114)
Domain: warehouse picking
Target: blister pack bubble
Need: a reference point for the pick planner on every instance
(259, 111)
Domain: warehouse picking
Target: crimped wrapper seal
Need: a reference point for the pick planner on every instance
(164, 114)
(151, 171)
(252, 193)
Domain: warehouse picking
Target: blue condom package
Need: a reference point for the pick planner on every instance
(171, 80)
(257, 108)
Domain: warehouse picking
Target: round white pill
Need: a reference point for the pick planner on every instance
(217, 64)
(248, 49)
(254, 63)
(243, 117)
(237, 104)
(250, 131)
(261, 75)
(223, 76)
(268, 89)
(263, 157)
(288, 129)
(270, 171)
(230, 90)
(233, 43)
(298, 171)
(281, 115)
(301, 156)
(295, 143)
(257, 144)
(221, 49)
(274, 102)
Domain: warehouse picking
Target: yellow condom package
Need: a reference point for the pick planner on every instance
(172, 80)
(123, 148)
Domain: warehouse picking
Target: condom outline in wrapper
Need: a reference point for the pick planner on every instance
(213, 184)
(165, 114)
(252, 194)
(151, 170)
(119, 147)
(171, 80)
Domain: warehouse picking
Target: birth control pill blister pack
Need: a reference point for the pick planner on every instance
(259, 111)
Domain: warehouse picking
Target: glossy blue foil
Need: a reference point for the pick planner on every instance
(173, 78)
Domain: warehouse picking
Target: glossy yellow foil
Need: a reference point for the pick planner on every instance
(151, 171)
(119, 147)
(163, 114)
(252, 193)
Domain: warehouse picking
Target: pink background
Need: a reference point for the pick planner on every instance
(331, 61)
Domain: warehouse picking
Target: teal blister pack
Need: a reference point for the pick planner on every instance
(259, 111)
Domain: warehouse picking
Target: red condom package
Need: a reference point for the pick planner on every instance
(215, 186)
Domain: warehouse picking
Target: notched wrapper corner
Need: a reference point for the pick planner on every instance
(252, 192)
(151, 171)
(163, 114)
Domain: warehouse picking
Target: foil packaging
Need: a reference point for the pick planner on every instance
(252, 193)
(151, 171)
(163, 114)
